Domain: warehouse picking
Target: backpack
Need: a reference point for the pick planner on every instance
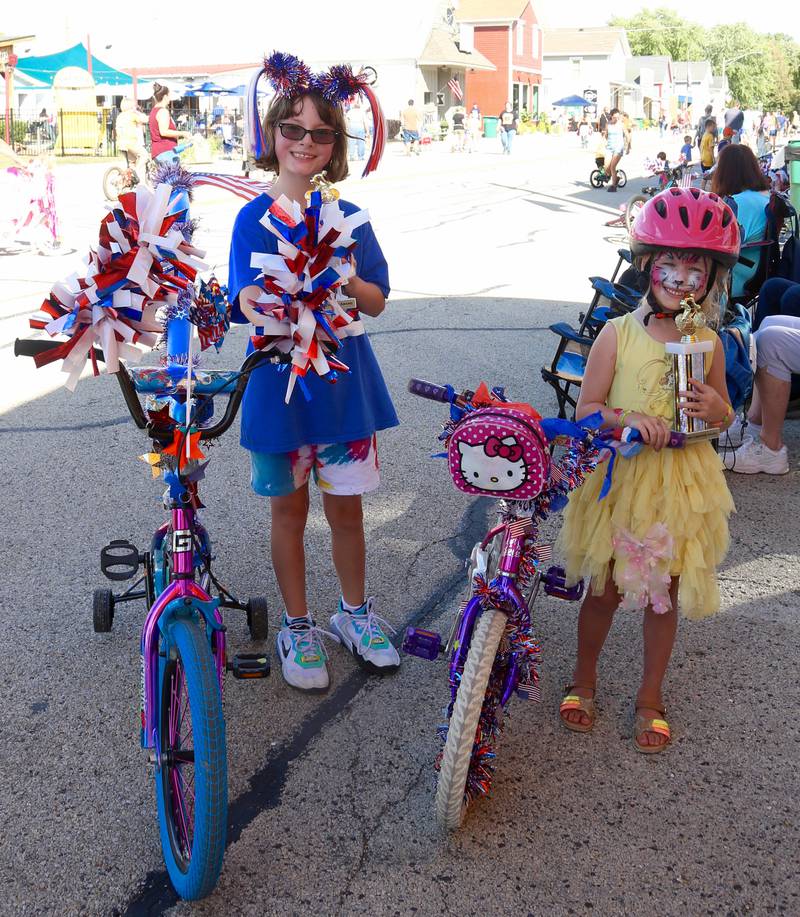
(499, 452)
(789, 266)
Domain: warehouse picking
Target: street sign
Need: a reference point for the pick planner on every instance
(591, 96)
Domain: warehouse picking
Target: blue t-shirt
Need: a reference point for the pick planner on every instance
(352, 408)
(686, 152)
(751, 213)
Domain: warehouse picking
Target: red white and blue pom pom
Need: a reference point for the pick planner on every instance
(288, 75)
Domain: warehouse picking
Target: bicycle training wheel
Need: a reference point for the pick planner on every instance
(192, 780)
(596, 179)
(113, 183)
(451, 802)
(633, 207)
(622, 178)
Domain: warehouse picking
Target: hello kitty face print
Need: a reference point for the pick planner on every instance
(499, 452)
(495, 465)
(675, 274)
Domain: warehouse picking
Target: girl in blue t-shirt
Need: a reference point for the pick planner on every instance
(332, 435)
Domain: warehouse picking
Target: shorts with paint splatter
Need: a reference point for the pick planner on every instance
(343, 469)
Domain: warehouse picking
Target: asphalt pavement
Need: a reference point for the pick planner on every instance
(331, 798)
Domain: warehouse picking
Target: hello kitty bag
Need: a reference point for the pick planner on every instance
(499, 451)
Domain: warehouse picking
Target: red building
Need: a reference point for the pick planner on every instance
(508, 34)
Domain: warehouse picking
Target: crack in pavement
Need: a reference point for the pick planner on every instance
(358, 816)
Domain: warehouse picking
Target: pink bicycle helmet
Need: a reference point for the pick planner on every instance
(687, 219)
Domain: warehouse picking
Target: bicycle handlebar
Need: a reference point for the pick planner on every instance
(434, 392)
(162, 434)
(428, 390)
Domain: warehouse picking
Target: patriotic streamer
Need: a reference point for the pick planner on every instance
(302, 315)
(211, 314)
(143, 261)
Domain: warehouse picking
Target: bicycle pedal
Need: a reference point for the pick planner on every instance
(249, 665)
(119, 560)
(426, 644)
(555, 584)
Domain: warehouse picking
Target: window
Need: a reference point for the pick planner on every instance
(427, 98)
(520, 37)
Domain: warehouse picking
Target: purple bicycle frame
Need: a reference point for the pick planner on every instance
(181, 588)
(514, 538)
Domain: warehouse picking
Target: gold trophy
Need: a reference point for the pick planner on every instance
(688, 362)
(319, 182)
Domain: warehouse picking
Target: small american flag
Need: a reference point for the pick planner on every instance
(454, 87)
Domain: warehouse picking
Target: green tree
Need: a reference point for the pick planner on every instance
(784, 52)
(748, 63)
(663, 32)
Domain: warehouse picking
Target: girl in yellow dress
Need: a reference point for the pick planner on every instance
(655, 540)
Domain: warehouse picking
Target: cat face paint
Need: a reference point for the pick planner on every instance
(674, 275)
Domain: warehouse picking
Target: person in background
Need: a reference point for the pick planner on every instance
(507, 127)
(707, 144)
(701, 125)
(410, 120)
(687, 150)
(584, 131)
(738, 178)
(778, 358)
(727, 139)
(734, 119)
(627, 127)
(356, 122)
(615, 145)
(602, 121)
(473, 128)
(130, 136)
(459, 129)
(164, 135)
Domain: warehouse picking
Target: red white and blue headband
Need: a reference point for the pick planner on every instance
(291, 78)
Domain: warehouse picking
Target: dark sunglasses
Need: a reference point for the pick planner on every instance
(322, 135)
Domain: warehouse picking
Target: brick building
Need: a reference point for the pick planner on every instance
(508, 34)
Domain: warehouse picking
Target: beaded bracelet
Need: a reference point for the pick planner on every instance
(726, 417)
(621, 414)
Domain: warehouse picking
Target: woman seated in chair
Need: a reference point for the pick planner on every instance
(739, 179)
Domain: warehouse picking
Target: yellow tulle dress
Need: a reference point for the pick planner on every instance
(685, 489)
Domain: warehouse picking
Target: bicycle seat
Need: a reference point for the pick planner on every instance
(157, 380)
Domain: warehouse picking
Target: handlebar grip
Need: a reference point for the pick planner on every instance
(27, 347)
(677, 440)
(428, 390)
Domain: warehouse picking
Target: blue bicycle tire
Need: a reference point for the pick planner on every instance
(192, 794)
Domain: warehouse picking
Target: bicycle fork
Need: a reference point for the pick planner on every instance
(182, 597)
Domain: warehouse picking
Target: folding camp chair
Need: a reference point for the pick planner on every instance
(565, 373)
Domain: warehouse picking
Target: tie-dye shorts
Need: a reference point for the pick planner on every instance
(343, 469)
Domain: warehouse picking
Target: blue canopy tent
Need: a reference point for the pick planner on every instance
(572, 102)
(45, 67)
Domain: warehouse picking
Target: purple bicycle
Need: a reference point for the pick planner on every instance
(498, 449)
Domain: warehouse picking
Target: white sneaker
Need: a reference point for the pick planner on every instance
(362, 633)
(302, 655)
(753, 457)
(740, 430)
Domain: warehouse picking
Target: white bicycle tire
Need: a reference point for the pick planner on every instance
(450, 806)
